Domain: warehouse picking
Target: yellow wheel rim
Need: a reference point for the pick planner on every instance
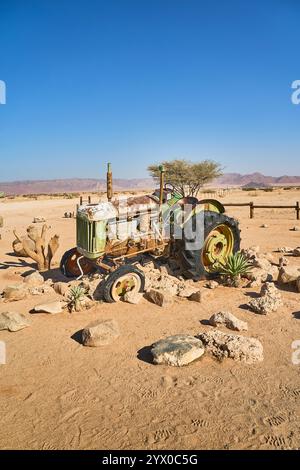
(128, 282)
(218, 245)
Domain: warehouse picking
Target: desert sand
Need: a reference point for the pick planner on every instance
(57, 394)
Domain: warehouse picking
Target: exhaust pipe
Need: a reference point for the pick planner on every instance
(161, 183)
(109, 184)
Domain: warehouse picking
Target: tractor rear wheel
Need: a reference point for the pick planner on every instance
(221, 239)
(124, 279)
(69, 266)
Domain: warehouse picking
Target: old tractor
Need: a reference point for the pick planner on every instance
(113, 236)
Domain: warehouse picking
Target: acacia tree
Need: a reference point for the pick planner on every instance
(187, 177)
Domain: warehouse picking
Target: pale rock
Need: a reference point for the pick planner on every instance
(196, 296)
(239, 348)
(34, 279)
(100, 333)
(133, 297)
(269, 301)
(61, 288)
(212, 284)
(15, 292)
(13, 321)
(177, 350)
(229, 320)
(288, 274)
(50, 307)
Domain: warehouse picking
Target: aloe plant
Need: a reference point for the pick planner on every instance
(75, 297)
(234, 267)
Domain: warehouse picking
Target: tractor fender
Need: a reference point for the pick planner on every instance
(212, 205)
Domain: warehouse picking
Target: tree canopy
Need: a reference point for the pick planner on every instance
(187, 177)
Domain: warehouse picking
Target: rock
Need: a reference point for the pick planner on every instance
(100, 333)
(39, 290)
(50, 307)
(160, 298)
(236, 347)
(296, 252)
(258, 275)
(196, 296)
(13, 321)
(212, 284)
(269, 301)
(264, 226)
(132, 297)
(295, 229)
(288, 274)
(187, 291)
(229, 320)
(34, 279)
(38, 220)
(61, 288)
(262, 263)
(283, 261)
(177, 350)
(285, 249)
(15, 292)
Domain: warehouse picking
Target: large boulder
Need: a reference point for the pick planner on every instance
(34, 279)
(100, 333)
(177, 350)
(229, 320)
(15, 292)
(13, 321)
(161, 298)
(239, 348)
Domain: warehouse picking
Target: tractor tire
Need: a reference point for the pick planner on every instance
(123, 279)
(69, 267)
(197, 264)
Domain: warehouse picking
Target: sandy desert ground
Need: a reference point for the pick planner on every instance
(58, 394)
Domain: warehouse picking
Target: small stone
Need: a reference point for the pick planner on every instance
(13, 321)
(15, 292)
(100, 333)
(34, 279)
(187, 291)
(229, 320)
(196, 296)
(38, 220)
(212, 284)
(283, 261)
(177, 350)
(51, 307)
(285, 249)
(239, 348)
(264, 226)
(61, 288)
(132, 297)
(296, 252)
(158, 297)
(269, 301)
(295, 229)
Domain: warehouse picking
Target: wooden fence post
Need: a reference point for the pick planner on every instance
(298, 210)
(89, 199)
(251, 210)
(81, 200)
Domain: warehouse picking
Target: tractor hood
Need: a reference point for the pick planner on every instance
(117, 208)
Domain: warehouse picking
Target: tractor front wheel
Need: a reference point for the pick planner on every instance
(69, 266)
(124, 279)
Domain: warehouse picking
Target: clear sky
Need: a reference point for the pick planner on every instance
(138, 81)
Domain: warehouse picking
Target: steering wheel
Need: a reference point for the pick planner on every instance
(169, 186)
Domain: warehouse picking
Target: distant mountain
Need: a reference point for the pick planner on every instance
(93, 185)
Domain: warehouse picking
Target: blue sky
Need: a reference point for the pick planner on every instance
(138, 81)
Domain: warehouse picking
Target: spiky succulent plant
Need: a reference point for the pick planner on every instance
(234, 267)
(75, 297)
